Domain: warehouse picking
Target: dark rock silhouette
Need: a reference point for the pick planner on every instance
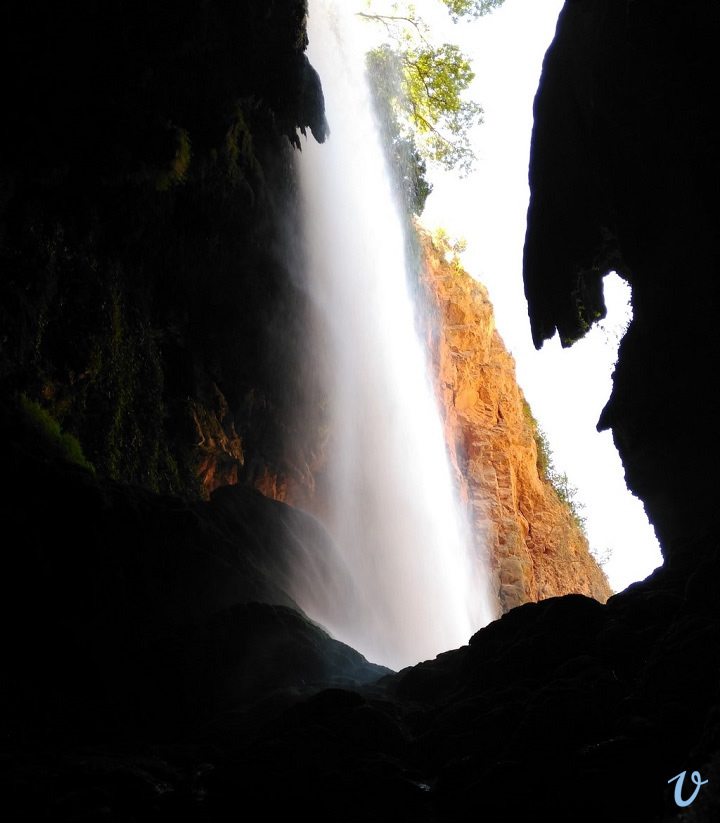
(622, 171)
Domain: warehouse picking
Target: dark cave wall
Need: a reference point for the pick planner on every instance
(147, 214)
(624, 175)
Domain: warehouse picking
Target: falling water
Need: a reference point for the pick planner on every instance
(408, 586)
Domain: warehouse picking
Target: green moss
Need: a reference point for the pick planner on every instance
(238, 151)
(130, 385)
(177, 173)
(50, 435)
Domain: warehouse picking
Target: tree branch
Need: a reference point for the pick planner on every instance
(397, 18)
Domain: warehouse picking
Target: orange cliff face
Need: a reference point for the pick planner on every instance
(534, 545)
(535, 548)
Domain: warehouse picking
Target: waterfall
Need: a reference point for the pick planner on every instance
(408, 585)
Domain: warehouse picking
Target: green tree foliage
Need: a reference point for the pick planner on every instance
(450, 248)
(428, 99)
(471, 8)
(406, 161)
(434, 81)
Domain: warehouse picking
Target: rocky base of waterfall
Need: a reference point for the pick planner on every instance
(535, 546)
(154, 321)
(155, 668)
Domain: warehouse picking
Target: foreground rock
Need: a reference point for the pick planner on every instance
(132, 614)
(562, 709)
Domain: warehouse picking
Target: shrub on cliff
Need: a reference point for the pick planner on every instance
(559, 481)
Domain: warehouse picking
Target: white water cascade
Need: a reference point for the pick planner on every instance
(409, 587)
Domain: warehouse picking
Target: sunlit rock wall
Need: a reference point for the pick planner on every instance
(535, 546)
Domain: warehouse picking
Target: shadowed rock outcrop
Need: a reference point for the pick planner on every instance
(623, 175)
(148, 300)
(156, 609)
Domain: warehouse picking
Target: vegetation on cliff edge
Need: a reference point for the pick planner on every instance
(547, 471)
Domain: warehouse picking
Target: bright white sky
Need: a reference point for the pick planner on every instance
(566, 388)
